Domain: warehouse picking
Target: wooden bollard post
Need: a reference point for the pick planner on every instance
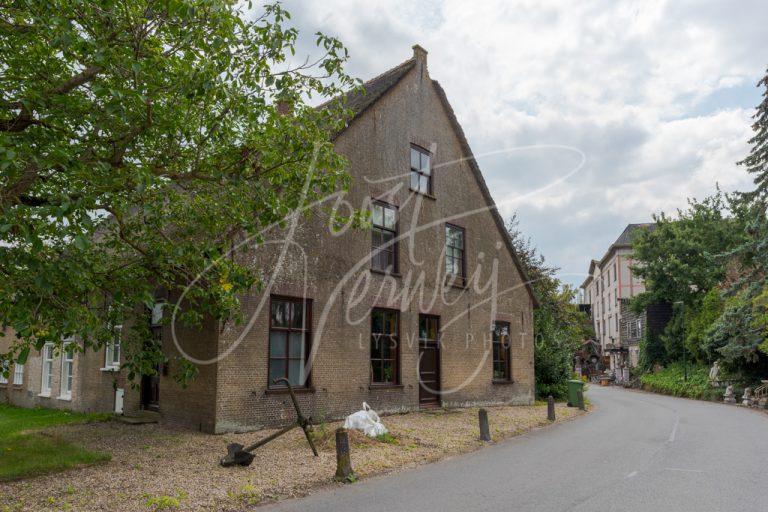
(485, 431)
(580, 398)
(344, 471)
(550, 408)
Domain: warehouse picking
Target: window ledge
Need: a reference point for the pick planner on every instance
(385, 273)
(110, 369)
(458, 286)
(498, 382)
(45, 395)
(385, 386)
(428, 196)
(284, 391)
(64, 398)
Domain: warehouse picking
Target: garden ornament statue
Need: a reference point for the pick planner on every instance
(747, 398)
(714, 375)
(237, 455)
(729, 397)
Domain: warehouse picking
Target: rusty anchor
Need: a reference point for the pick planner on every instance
(238, 455)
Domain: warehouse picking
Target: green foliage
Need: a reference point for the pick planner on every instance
(158, 503)
(671, 381)
(735, 339)
(387, 438)
(559, 327)
(248, 495)
(652, 352)
(672, 337)
(682, 258)
(137, 141)
(26, 452)
(691, 260)
(748, 330)
(699, 322)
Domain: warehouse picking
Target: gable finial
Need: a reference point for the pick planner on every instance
(419, 53)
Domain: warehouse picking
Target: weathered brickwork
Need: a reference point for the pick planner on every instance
(93, 386)
(231, 391)
(377, 147)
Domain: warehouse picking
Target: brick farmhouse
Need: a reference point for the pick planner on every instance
(429, 307)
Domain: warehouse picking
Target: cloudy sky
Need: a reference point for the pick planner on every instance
(656, 96)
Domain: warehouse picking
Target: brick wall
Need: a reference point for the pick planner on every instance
(230, 392)
(93, 388)
(377, 146)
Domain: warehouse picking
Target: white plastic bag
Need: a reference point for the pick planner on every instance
(366, 420)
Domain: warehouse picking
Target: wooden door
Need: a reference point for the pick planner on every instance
(429, 361)
(150, 392)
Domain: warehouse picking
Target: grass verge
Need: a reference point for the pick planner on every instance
(25, 451)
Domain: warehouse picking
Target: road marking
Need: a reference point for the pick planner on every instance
(674, 430)
(684, 470)
(632, 474)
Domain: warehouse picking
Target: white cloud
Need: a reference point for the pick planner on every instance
(657, 94)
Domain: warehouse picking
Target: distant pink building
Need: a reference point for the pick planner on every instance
(607, 289)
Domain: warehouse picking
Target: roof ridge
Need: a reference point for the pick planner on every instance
(349, 95)
(410, 61)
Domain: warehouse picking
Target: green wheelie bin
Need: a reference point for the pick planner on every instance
(573, 388)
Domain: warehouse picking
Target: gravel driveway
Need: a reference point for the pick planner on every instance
(157, 468)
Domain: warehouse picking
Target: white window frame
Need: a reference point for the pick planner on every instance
(112, 349)
(4, 367)
(18, 374)
(67, 374)
(157, 313)
(46, 378)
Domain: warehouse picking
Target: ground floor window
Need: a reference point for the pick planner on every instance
(18, 374)
(47, 376)
(67, 365)
(289, 338)
(501, 352)
(4, 367)
(112, 357)
(384, 346)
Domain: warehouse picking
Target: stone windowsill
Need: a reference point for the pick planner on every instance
(385, 273)
(45, 395)
(423, 194)
(113, 369)
(498, 382)
(64, 398)
(374, 387)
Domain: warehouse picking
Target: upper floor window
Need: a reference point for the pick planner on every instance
(455, 252)
(289, 334)
(384, 245)
(384, 346)
(501, 352)
(421, 171)
(615, 272)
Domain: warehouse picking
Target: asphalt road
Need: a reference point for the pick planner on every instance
(635, 452)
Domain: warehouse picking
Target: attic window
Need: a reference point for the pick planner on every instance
(421, 171)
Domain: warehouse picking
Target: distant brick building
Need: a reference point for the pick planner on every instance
(607, 289)
(441, 316)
